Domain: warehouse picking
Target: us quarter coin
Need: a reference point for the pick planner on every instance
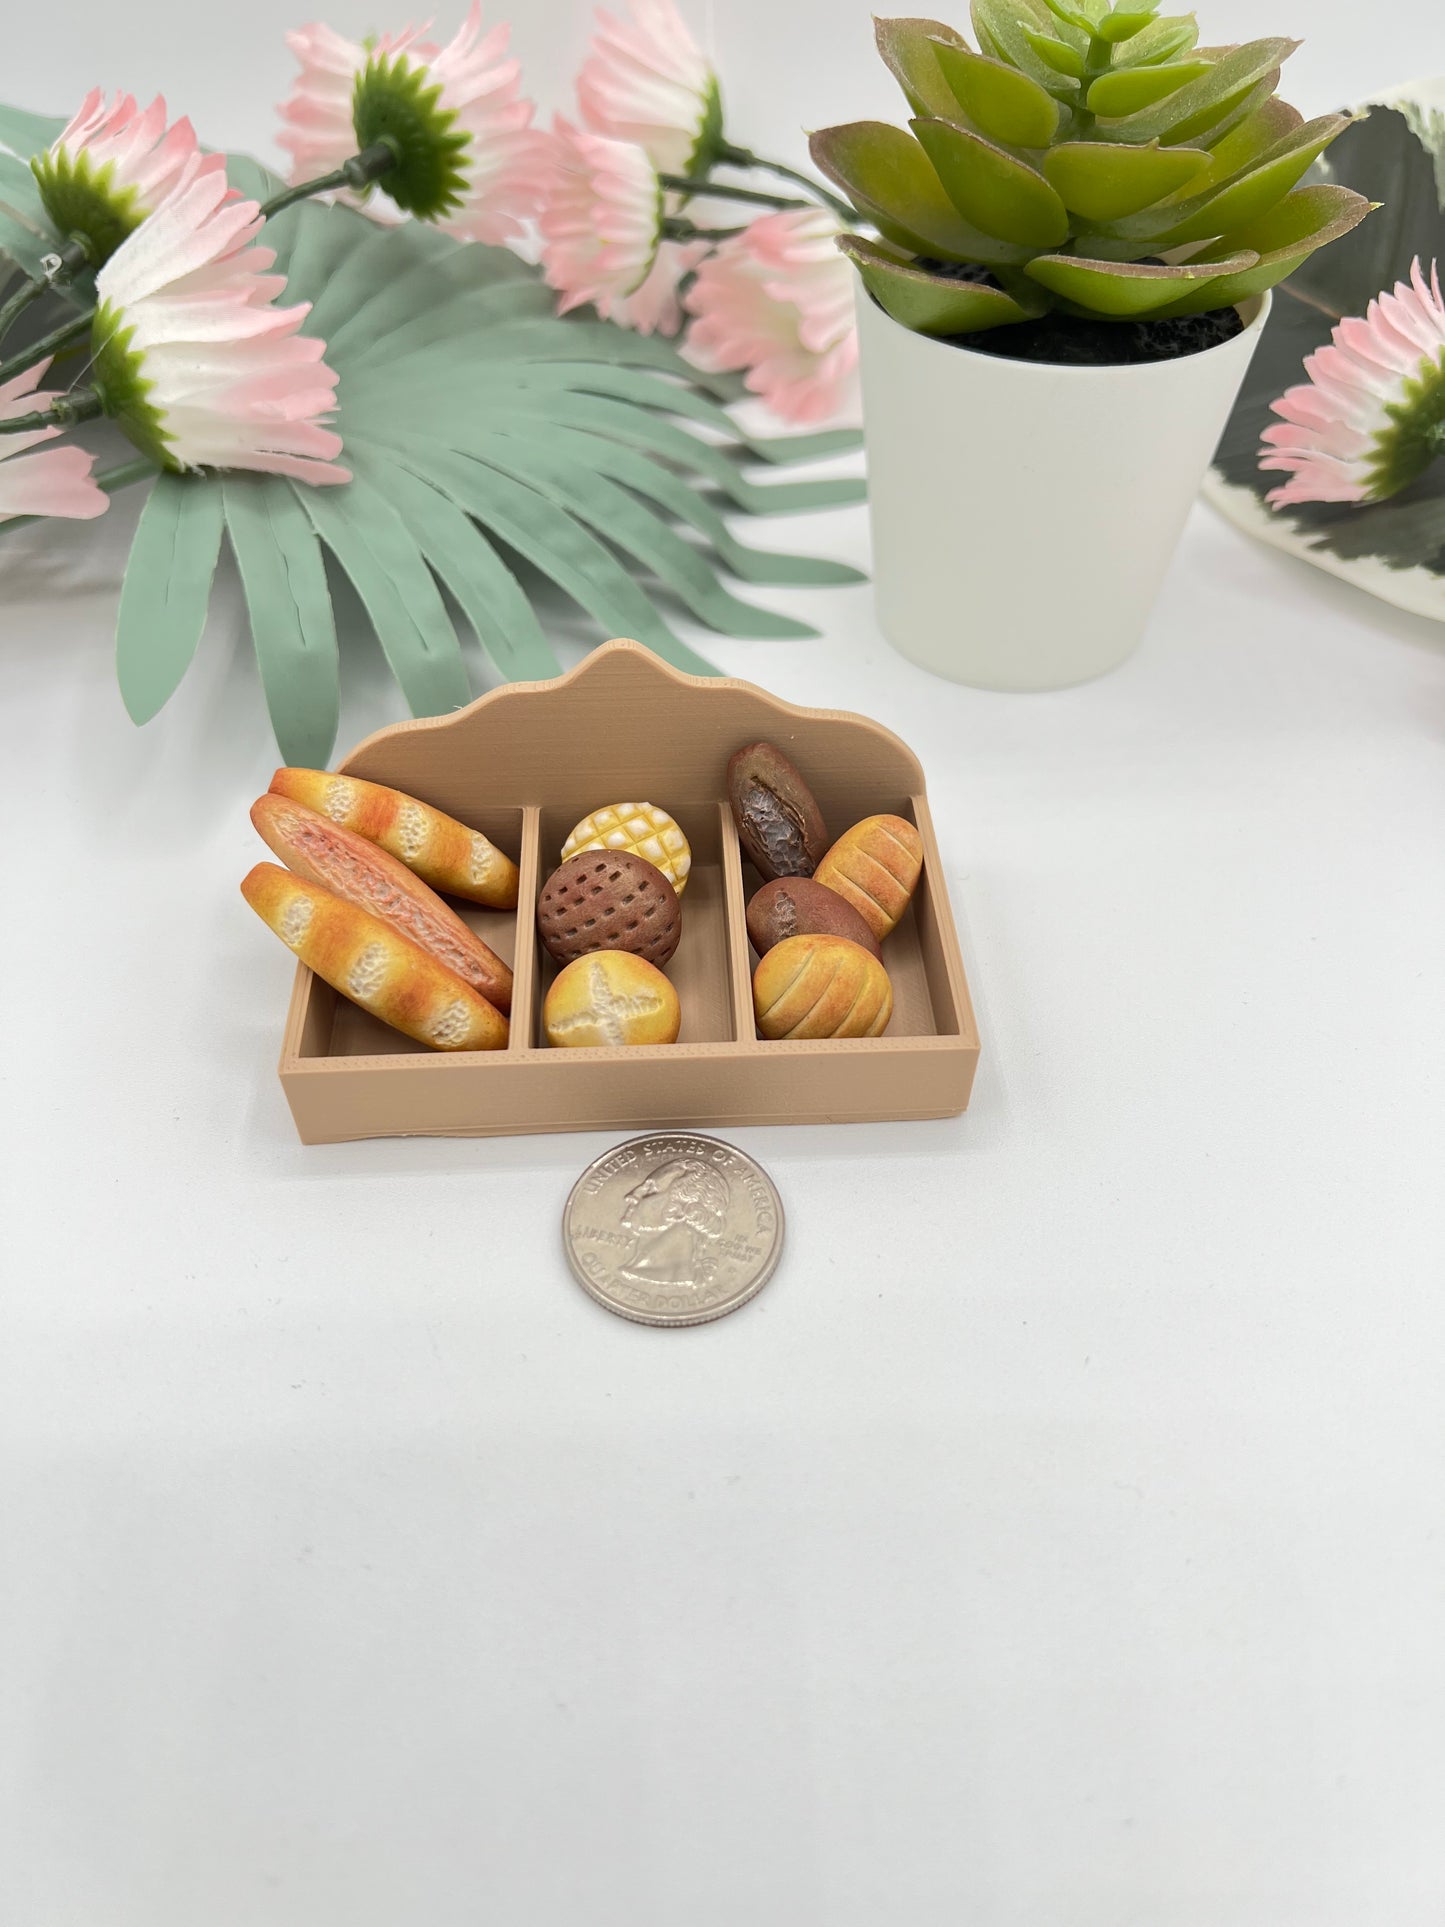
(673, 1229)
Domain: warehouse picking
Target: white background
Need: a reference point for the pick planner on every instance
(1057, 1542)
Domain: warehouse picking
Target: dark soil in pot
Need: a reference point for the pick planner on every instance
(1079, 341)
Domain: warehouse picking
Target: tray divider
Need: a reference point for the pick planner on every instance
(524, 964)
(740, 961)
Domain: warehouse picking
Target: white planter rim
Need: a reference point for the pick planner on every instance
(1253, 312)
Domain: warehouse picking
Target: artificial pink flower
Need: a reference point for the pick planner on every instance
(777, 300)
(645, 80)
(318, 133)
(191, 356)
(111, 167)
(57, 482)
(602, 225)
(1371, 417)
(469, 159)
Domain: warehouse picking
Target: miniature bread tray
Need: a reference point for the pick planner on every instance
(522, 765)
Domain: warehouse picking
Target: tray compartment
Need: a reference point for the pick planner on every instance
(700, 970)
(923, 1002)
(335, 1027)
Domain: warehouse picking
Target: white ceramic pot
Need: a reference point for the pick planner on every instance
(1024, 513)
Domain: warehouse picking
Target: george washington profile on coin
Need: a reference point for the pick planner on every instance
(677, 1217)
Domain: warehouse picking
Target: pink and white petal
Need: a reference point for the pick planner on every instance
(57, 481)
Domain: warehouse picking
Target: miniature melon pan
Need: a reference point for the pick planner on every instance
(522, 765)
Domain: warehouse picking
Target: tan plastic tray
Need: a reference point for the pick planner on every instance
(523, 764)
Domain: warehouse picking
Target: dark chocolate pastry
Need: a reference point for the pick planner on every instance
(779, 825)
(799, 907)
(609, 900)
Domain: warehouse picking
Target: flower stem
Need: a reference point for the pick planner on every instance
(715, 191)
(66, 411)
(360, 171)
(678, 229)
(55, 269)
(47, 345)
(731, 156)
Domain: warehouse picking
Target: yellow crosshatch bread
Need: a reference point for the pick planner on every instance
(640, 827)
(443, 852)
(609, 999)
(373, 964)
(820, 986)
(875, 866)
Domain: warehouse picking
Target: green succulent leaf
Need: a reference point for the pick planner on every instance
(1115, 95)
(992, 189)
(1124, 24)
(1248, 141)
(1125, 289)
(910, 52)
(931, 304)
(887, 176)
(1000, 102)
(1252, 192)
(1204, 103)
(1164, 40)
(1003, 27)
(1071, 16)
(1105, 180)
(1056, 55)
(1284, 240)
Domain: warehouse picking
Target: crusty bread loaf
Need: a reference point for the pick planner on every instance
(373, 964)
(875, 866)
(445, 853)
(821, 986)
(366, 875)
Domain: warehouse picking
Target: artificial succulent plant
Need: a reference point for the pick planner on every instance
(1084, 157)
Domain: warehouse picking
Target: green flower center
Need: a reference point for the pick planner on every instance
(1405, 450)
(396, 103)
(83, 201)
(118, 377)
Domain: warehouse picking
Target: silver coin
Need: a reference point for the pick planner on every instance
(673, 1229)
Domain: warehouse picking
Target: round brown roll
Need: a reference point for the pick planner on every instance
(609, 900)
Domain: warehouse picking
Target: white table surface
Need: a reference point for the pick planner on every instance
(1058, 1541)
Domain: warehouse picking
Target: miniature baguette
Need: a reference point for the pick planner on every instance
(443, 852)
(875, 866)
(364, 874)
(372, 964)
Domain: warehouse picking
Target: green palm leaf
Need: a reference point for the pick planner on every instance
(479, 428)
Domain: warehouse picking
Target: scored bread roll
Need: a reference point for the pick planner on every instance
(821, 986)
(443, 852)
(368, 876)
(373, 964)
(875, 866)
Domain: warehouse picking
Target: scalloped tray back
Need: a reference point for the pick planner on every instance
(523, 764)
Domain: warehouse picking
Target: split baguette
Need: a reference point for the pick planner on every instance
(366, 875)
(372, 964)
(443, 852)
